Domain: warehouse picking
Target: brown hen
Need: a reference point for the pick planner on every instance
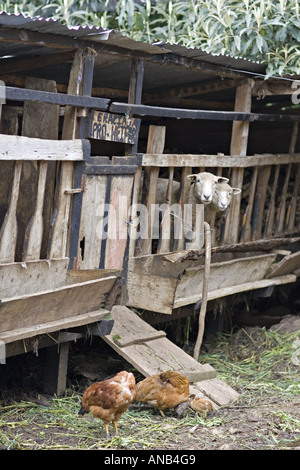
(165, 390)
(109, 399)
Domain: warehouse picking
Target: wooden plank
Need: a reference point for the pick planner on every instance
(21, 94)
(33, 276)
(230, 290)
(134, 213)
(246, 223)
(82, 275)
(281, 215)
(164, 243)
(221, 161)
(155, 355)
(118, 216)
(259, 202)
(216, 390)
(9, 228)
(52, 326)
(152, 293)
(222, 275)
(287, 265)
(179, 113)
(238, 146)
(60, 220)
(183, 199)
(137, 338)
(270, 217)
(92, 222)
(39, 120)
(155, 144)
(34, 230)
(63, 302)
(16, 147)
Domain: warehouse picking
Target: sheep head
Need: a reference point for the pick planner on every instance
(222, 196)
(205, 185)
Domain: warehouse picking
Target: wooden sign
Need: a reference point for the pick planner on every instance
(113, 127)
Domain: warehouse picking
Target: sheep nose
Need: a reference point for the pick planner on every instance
(205, 197)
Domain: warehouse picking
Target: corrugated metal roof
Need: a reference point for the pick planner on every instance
(116, 38)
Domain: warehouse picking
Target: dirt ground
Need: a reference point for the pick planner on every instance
(265, 417)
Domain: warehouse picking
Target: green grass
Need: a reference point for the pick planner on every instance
(261, 368)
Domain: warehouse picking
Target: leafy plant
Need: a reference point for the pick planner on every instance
(259, 30)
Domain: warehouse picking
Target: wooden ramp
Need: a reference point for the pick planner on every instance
(150, 352)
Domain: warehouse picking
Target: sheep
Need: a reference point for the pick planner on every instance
(201, 191)
(220, 201)
(203, 187)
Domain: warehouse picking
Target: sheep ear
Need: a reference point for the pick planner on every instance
(192, 177)
(236, 190)
(222, 179)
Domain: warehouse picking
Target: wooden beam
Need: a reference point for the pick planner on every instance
(178, 113)
(83, 319)
(22, 94)
(230, 290)
(21, 64)
(209, 86)
(221, 161)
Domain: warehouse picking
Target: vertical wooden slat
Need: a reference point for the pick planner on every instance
(179, 227)
(120, 200)
(239, 141)
(164, 244)
(259, 201)
(281, 216)
(246, 223)
(59, 223)
(91, 222)
(269, 226)
(156, 143)
(9, 229)
(34, 230)
(135, 97)
(39, 120)
(9, 125)
(79, 177)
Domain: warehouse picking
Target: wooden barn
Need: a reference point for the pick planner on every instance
(91, 121)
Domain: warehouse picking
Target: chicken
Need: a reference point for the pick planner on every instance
(200, 405)
(109, 399)
(165, 390)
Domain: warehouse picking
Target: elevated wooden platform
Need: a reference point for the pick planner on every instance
(150, 352)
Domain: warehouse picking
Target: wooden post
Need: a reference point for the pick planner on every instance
(135, 96)
(239, 141)
(87, 85)
(56, 369)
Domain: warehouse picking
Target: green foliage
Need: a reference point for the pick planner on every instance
(259, 30)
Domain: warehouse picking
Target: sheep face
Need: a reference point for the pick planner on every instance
(223, 195)
(205, 185)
